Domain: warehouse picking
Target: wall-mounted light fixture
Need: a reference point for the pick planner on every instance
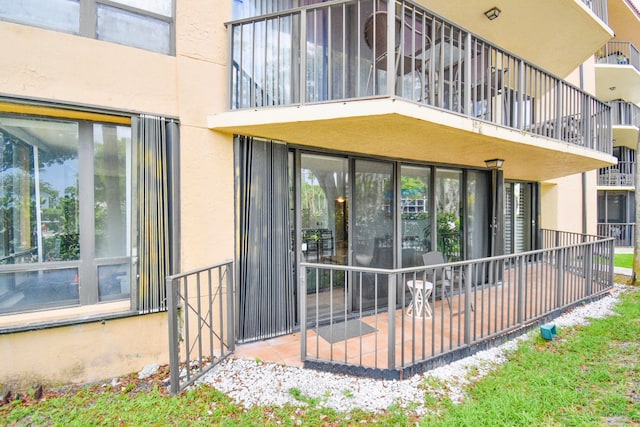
(492, 13)
(494, 163)
(341, 199)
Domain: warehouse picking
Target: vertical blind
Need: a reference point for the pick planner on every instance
(266, 297)
(155, 136)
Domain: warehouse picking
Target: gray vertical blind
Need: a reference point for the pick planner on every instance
(266, 288)
(153, 216)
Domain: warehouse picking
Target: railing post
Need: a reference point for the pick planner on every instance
(588, 266)
(611, 260)
(391, 47)
(174, 349)
(391, 310)
(560, 270)
(231, 329)
(467, 305)
(303, 57)
(302, 301)
(521, 288)
(466, 108)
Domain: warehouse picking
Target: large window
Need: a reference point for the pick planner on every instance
(145, 24)
(65, 220)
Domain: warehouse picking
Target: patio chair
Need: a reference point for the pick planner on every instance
(442, 277)
(406, 37)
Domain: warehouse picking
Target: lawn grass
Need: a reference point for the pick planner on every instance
(623, 260)
(589, 375)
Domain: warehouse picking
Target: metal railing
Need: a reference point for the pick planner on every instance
(355, 49)
(624, 113)
(623, 233)
(621, 175)
(393, 323)
(201, 322)
(600, 8)
(619, 53)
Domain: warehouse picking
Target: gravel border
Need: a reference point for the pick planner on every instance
(259, 383)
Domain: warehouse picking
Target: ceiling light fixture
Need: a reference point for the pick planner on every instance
(492, 13)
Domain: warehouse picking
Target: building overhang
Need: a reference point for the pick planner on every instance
(614, 81)
(555, 35)
(625, 136)
(624, 17)
(398, 129)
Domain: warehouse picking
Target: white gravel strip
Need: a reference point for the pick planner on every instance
(259, 383)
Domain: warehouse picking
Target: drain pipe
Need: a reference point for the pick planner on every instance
(584, 174)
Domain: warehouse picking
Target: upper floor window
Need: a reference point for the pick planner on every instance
(145, 24)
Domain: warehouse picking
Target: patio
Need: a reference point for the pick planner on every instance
(481, 303)
(528, 294)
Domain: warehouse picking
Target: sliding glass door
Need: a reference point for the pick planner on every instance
(373, 220)
(324, 212)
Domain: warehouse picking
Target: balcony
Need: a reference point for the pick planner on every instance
(402, 82)
(625, 121)
(621, 175)
(623, 233)
(618, 72)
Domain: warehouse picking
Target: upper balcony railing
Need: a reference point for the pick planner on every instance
(600, 8)
(624, 114)
(619, 53)
(355, 49)
(621, 175)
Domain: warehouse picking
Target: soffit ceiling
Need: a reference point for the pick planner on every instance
(556, 35)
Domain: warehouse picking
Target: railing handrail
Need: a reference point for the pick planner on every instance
(594, 238)
(198, 270)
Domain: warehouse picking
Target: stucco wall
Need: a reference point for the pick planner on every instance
(562, 203)
(82, 353)
(59, 67)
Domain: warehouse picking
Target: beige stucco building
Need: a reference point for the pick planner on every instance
(120, 165)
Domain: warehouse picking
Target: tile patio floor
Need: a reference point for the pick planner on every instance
(496, 309)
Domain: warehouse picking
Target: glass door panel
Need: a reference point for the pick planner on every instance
(448, 213)
(415, 183)
(478, 208)
(373, 226)
(324, 212)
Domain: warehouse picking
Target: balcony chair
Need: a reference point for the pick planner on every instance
(375, 36)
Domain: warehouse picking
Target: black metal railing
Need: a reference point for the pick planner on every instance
(357, 49)
(201, 322)
(389, 323)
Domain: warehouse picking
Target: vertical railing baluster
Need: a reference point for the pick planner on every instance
(174, 339)
(391, 308)
(467, 302)
(302, 303)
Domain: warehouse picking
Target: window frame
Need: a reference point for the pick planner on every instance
(87, 265)
(88, 21)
